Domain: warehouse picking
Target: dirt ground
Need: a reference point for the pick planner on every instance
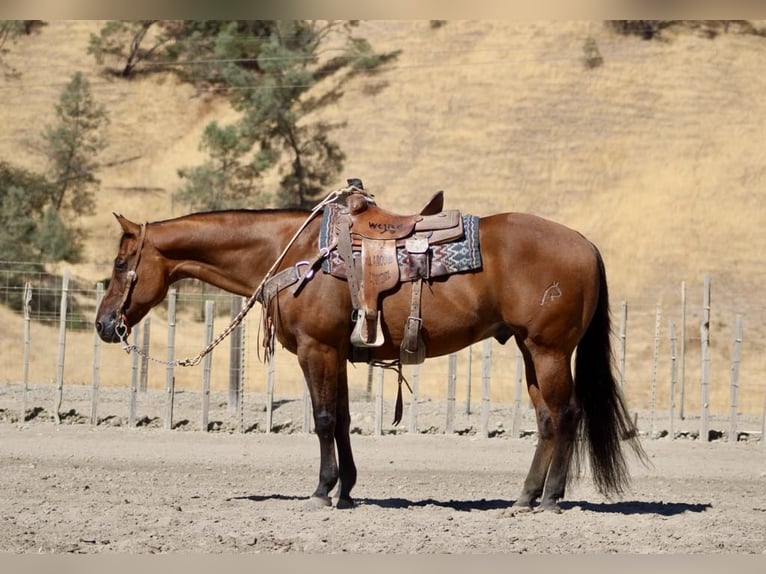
(77, 488)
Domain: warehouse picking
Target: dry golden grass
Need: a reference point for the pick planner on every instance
(656, 156)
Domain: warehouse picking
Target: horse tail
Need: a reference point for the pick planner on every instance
(605, 420)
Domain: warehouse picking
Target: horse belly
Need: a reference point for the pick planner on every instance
(455, 313)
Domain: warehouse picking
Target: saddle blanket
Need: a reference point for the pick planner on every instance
(446, 258)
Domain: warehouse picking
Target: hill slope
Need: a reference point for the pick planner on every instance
(657, 156)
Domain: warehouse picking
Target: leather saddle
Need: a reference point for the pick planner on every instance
(368, 239)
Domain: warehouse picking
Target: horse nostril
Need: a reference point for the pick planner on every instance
(99, 327)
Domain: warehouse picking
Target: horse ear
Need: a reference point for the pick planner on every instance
(127, 225)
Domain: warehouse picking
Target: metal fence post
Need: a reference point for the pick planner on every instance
(169, 372)
(61, 349)
(27, 344)
(705, 357)
(206, 364)
(735, 360)
(486, 368)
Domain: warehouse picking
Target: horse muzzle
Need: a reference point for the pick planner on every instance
(112, 328)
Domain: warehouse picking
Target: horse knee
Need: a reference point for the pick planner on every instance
(324, 424)
(545, 425)
(570, 417)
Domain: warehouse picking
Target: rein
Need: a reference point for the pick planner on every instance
(193, 361)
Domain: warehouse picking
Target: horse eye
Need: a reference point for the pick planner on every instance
(120, 264)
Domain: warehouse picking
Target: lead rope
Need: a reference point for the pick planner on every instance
(193, 361)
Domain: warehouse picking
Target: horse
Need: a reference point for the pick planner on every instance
(540, 283)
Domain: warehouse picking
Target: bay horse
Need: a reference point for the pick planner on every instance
(540, 283)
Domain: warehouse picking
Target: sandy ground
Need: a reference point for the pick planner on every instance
(77, 488)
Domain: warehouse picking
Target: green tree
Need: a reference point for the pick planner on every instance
(10, 31)
(124, 42)
(222, 182)
(185, 47)
(278, 92)
(31, 229)
(72, 145)
(278, 74)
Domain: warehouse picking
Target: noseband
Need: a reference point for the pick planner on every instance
(122, 328)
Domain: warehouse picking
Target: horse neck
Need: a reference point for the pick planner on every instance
(232, 250)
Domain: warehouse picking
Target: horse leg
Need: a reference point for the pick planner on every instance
(538, 470)
(550, 388)
(567, 420)
(556, 388)
(320, 368)
(346, 466)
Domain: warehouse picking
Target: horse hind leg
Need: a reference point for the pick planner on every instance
(550, 386)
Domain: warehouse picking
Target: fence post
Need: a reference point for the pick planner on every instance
(134, 380)
(655, 360)
(673, 375)
(147, 322)
(451, 391)
(516, 430)
(96, 374)
(62, 349)
(235, 356)
(705, 357)
(270, 394)
(413, 428)
(735, 359)
(763, 423)
(468, 381)
(486, 367)
(378, 430)
(170, 380)
(682, 365)
(623, 341)
(206, 364)
(241, 382)
(369, 382)
(27, 343)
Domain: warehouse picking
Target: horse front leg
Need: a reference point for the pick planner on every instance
(346, 466)
(321, 369)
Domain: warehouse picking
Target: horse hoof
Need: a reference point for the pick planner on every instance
(517, 509)
(317, 503)
(345, 503)
(549, 507)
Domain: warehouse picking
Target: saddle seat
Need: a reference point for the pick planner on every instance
(369, 221)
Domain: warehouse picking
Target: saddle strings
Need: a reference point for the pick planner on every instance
(193, 361)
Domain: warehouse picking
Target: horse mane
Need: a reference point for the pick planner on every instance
(245, 211)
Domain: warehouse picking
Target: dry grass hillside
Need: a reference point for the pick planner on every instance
(657, 156)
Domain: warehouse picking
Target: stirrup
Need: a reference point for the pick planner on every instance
(361, 336)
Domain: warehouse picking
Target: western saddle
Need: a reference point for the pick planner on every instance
(377, 251)
(369, 239)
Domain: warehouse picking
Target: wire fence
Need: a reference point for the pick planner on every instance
(684, 366)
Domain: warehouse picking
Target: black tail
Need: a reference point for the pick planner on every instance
(605, 421)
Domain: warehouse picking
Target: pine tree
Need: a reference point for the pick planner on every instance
(72, 146)
(273, 74)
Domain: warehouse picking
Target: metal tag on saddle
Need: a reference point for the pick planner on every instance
(416, 244)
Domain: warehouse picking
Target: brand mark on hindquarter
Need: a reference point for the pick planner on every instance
(552, 292)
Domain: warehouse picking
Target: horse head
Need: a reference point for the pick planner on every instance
(139, 281)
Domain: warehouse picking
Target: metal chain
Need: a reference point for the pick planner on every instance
(193, 361)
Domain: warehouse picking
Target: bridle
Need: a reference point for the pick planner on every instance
(122, 328)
